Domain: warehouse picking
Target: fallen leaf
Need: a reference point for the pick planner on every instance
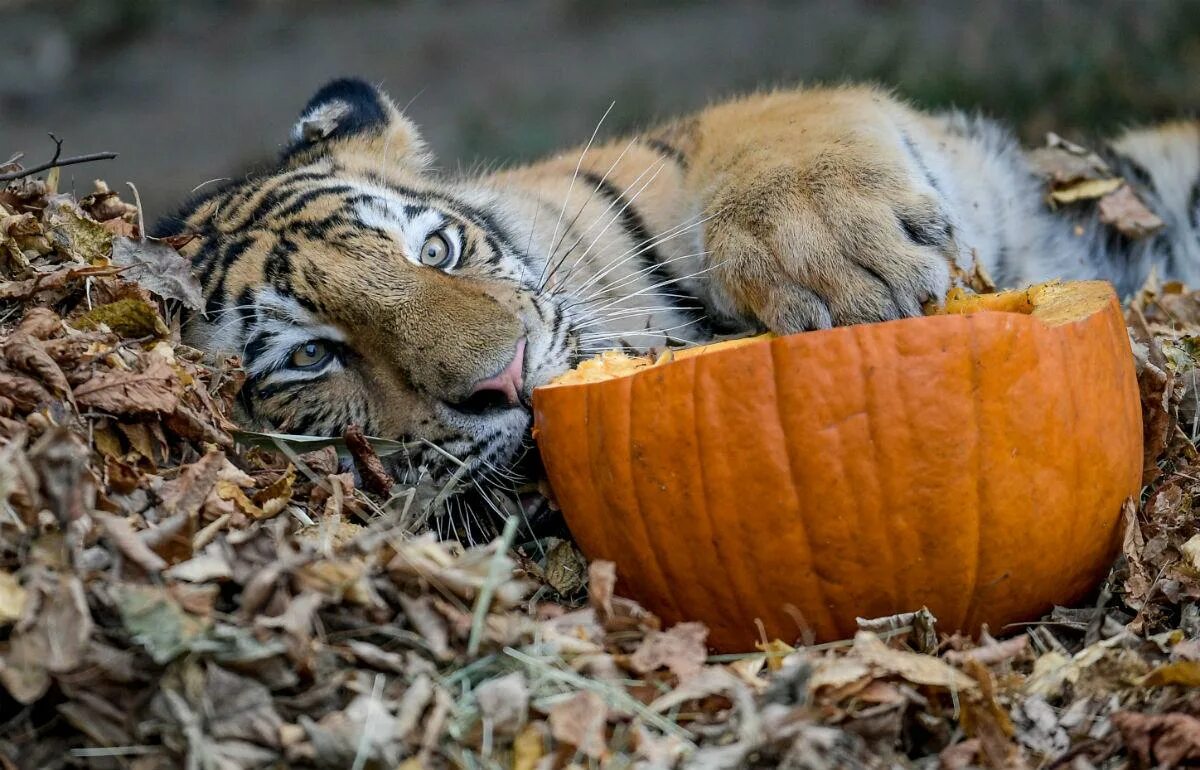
(25, 353)
(13, 598)
(602, 581)
(915, 668)
(62, 627)
(50, 281)
(504, 703)
(75, 233)
(195, 482)
(119, 531)
(157, 622)
(1125, 211)
(375, 477)
(1191, 551)
(273, 499)
(1162, 740)
(580, 721)
(681, 649)
(529, 747)
(1185, 673)
(1087, 189)
(159, 268)
(992, 653)
(205, 568)
(155, 389)
(566, 569)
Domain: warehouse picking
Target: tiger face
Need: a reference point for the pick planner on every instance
(361, 289)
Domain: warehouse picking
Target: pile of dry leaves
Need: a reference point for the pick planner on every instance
(172, 597)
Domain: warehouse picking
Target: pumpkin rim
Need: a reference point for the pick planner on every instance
(1053, 304)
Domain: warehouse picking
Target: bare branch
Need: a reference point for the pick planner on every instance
(55, 162)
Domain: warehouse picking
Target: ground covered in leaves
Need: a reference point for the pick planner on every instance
(176, 594)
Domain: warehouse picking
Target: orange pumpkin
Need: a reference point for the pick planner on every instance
(973, 463)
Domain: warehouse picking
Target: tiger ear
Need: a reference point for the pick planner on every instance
(352, 116)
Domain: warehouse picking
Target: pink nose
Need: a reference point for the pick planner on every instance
(509, 380)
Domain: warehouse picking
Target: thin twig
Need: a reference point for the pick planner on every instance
(56, 162)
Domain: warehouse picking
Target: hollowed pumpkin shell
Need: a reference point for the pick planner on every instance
(975, 464)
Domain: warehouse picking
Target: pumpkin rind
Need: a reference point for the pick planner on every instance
(975, 464)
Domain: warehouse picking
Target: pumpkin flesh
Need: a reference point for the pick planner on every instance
(973, 462)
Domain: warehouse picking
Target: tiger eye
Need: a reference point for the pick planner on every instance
(310, 354)
(435, 252)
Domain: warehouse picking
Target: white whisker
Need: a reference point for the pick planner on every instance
(632, 277)
(642, 248)
(658, 167)
(571, 186)
(579, 212)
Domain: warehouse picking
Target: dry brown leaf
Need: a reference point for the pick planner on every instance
(915, 668)
(602, 581)
(992, 653)
(159, 268)
(127, 541)
(206, 567)
(581, 721)
(195, 482)
(1161, 740)
(1125, 211)
(504, 703)
(273, 499)
(155, 389)
(50, 281)
(25, 353)
(681, 649)
(375, 477)
(339, 579)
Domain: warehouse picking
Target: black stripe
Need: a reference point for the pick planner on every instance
(278, 266)
(232, 251)
(295, 205)
(669, 150)
(285, 190)
(481, 219)
(1193, 209)
(636, 228)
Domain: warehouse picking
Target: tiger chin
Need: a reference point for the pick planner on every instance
(362, 287)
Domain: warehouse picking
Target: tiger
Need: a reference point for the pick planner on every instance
(360, 286)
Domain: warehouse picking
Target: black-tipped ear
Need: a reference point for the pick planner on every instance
(351, 113)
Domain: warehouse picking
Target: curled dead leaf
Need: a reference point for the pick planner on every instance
(155, 389)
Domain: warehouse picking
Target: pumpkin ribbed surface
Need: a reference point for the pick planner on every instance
(975, 464)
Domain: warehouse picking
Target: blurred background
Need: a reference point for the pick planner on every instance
(191, 90)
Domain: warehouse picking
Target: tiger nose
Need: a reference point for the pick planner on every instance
(508, 382)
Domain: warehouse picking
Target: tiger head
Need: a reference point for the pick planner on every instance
(361, 288)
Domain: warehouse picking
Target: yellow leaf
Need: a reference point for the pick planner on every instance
(344, 579)
(12, 598)
(275, 497)
(1185, 673)
(1191, 550)
(229, 490)
(528, 748)
(776, 651)
(1087, 189)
